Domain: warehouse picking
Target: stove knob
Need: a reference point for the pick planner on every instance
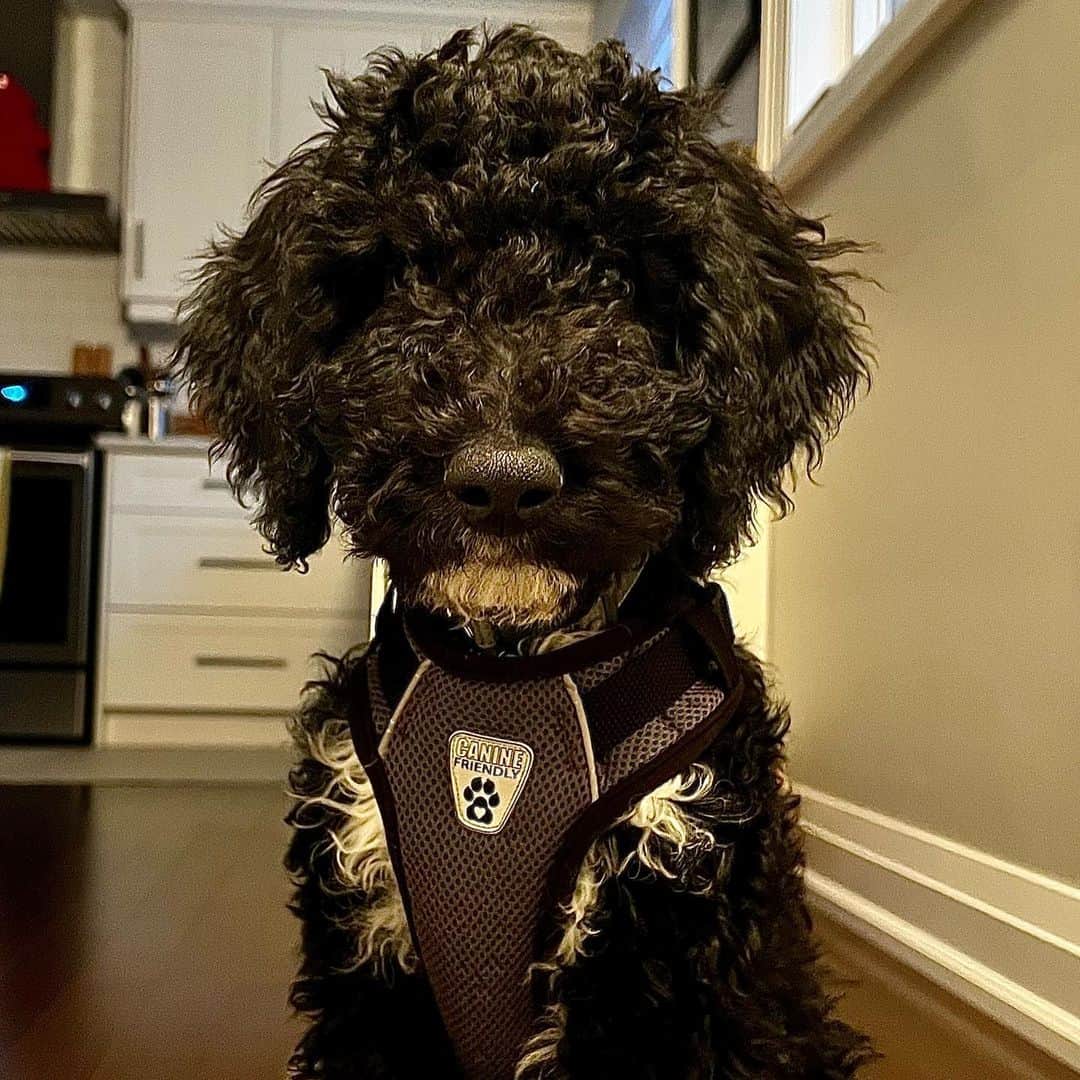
(104, 400)
(74, 399)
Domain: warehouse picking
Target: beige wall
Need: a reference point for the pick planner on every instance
(925, 603)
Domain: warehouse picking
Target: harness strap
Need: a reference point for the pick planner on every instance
(642, 686)
(709, 623)
(714, 624)
(647, 683)
(365, 738)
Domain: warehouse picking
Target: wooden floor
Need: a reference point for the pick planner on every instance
(143, 936)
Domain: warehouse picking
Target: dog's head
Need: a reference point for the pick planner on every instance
(520, 322)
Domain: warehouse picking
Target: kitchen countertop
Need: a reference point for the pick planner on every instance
(114, 443)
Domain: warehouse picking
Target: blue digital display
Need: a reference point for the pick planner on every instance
(16, 393)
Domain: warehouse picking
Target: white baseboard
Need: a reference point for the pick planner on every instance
(1002, 937)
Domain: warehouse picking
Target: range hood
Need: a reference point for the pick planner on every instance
(35, 50)
(58, 219)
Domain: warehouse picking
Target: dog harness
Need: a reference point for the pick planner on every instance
(493, 776)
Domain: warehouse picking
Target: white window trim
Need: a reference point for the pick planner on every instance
(791, 156)
(680, 54)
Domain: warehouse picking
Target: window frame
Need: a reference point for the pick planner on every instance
(791, 155)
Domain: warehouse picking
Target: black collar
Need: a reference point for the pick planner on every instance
(662, 595)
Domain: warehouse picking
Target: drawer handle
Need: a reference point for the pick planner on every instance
(140, 250)
(215, 483)
(226, 562)
(240, 661)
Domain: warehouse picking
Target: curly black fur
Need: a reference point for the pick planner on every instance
(531, 240)
(503, 236)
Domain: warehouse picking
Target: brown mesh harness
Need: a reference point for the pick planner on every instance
(493, 775)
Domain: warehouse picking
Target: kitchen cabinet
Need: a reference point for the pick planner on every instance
(221, 90)
(304, 52)
(204, 639)
(213, 106)
(200, 125)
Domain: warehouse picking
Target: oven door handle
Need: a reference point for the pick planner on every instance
(5, 508)
(52, 457)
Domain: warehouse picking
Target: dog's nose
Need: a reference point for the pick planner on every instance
(500, 480)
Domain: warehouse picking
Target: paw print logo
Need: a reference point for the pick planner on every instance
(487, 776)
(481, 798)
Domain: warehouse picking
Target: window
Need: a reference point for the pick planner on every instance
(824, 37)
(868, 17)
(825, 63)
(649, 32)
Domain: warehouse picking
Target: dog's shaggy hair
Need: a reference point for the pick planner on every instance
(503, 239)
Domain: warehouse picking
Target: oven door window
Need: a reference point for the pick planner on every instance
(44, 591)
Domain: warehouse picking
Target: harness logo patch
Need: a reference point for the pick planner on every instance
(487, 776)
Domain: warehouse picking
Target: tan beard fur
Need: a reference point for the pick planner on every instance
(507, 592)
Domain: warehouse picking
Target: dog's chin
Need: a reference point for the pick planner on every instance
(509, 594)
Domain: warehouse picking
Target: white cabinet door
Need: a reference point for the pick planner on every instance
(199, 136)
(307, 50)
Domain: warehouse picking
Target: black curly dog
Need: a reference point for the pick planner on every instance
(505, 252)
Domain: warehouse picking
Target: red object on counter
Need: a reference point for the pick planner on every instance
(24, 143)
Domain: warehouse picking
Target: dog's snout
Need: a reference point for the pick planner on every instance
(498, 480)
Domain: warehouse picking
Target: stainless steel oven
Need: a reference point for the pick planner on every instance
(47, 564)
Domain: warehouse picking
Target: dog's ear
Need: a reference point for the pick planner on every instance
(265, 310)
(245, 353)
(753, 308)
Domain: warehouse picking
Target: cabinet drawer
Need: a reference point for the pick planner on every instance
(177, 481)
(180, 561)
(211, 663)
